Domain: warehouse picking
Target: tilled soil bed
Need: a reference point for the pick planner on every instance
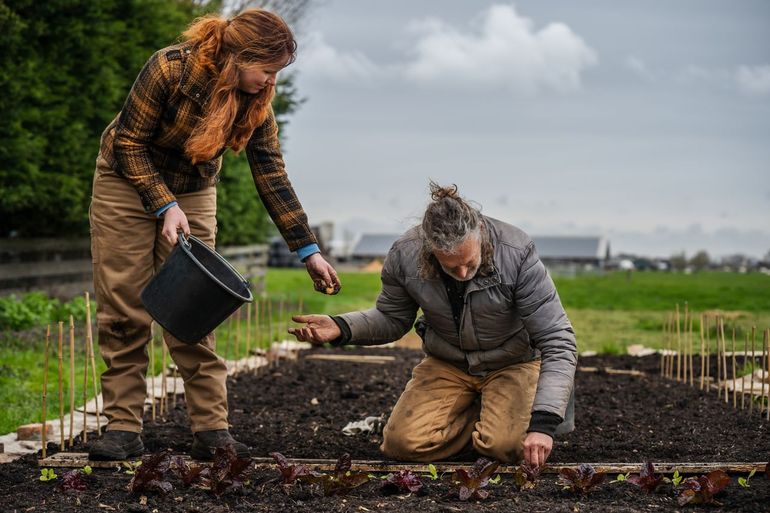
(300, 408)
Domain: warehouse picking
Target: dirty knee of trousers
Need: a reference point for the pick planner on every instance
(400, 445)
(506, 450)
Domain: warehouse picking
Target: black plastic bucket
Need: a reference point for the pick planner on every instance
(194, 291)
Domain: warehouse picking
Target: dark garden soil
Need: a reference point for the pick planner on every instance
(300, 408)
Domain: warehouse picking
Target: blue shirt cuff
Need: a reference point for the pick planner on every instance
(162, 209)
(306, 251)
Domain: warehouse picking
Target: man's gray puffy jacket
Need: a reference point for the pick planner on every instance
(508, 316)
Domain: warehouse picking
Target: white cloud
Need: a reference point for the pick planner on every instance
(319, 59)
(503, 51)
(753, 80)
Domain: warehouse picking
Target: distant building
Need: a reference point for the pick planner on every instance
(372, 246)
(577, 252)
(279, 254)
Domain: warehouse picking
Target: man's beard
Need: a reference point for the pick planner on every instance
(469, 277)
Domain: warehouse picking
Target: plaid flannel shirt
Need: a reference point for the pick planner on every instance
(145, 143)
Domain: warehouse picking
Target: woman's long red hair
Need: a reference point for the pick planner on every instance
(254, 36)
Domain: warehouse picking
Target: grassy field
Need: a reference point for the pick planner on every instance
(608, 312)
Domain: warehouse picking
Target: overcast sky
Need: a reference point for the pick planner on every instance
(647, 122)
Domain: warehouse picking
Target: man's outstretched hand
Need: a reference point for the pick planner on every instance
(318, 329)
(537, 448)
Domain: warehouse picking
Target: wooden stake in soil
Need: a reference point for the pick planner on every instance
(719, 357)
(173, 396)
(248, 334)
(44, 424)
(753, 368)
(766, 369)
(269, 323)
(735, 371)
(237, 338)
(702, 355)
(671, 350)
(72, 382)
(708, 352)
(90, 340)
(669, 329)
(678, 346)
(684, 342)
(743, 378)
(59, 355)
(152, 371)
(724, 356)
(663, 352)
(163, 382)
(690, 351)
(85, 375)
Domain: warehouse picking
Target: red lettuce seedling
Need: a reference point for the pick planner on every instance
(472, 482)
(647, 479)
(403, 481)
(150, 476)
(341, 481)
(72, 481)
(526, 476)
(701, 490)
(188, 473)
(582, 480)
(289, 473)
(227, 472)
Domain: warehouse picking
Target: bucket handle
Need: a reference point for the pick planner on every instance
(183, 240)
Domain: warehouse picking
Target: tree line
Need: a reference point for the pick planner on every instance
(66, 67)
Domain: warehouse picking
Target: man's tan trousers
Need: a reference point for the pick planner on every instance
(127, 248)
(443, 410)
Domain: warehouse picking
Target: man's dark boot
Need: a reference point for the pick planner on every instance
(206, 442)
(116, 445)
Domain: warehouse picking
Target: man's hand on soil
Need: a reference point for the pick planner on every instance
(323, 274)
(537, 448)
(318, 329)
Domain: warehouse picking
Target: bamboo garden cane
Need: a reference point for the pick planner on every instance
(72, 382)
(690, 350)
(702, 355)
(743, 378)
(248, 335)
(708, 352)
(735, 371)
(724, 357)
(766, 369)
(59, 355)
(43, 423)
(753, 368)
(163, 380)
(678, 346)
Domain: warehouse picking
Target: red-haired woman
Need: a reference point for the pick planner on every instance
(156, 173)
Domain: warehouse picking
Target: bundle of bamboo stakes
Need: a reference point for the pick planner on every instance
(266, 328)
(88, 351)
(677, 359)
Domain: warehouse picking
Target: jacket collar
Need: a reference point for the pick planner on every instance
(195, 80)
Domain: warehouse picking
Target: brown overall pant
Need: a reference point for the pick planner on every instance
(438, 414)
(127, 248)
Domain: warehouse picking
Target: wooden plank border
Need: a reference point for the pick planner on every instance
(76, 460)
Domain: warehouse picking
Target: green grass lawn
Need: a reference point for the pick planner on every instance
(608, 312)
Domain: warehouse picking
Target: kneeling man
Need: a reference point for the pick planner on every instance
(501, 354)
